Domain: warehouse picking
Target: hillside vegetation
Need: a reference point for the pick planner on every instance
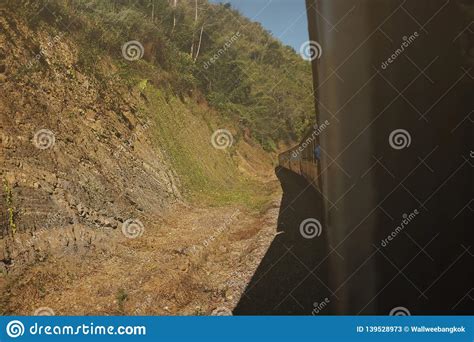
(93, 139)
(199, 67)
(195, 49)
(132, 130)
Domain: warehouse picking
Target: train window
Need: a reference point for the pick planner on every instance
(317, 152)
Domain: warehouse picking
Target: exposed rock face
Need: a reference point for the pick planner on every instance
(75, 150)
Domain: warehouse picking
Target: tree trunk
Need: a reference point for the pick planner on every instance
(194, 27)
(199, 46)
(175, 4)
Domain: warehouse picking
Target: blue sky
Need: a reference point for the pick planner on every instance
(286, 19)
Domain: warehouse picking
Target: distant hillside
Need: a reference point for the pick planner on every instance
(206, 51)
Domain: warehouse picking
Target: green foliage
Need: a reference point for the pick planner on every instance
(142, 85)
(121, 297)
(208, 175)
(247, 75)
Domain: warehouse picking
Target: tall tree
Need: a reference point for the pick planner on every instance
(194, 25)
(199, 46)
(175, 5)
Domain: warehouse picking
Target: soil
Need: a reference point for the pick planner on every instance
(195, 261)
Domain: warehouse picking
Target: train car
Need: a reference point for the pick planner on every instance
(397, 77)
(303, 158)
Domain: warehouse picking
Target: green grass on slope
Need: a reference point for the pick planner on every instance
(209, 176)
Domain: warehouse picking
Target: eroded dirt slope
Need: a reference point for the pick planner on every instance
(77, 161)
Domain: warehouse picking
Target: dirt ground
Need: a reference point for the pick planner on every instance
(195, 261)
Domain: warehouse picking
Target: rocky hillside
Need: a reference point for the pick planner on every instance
(97, 146)
(74, 149)
(77, 149)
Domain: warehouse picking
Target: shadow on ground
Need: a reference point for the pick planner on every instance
(292, 277)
